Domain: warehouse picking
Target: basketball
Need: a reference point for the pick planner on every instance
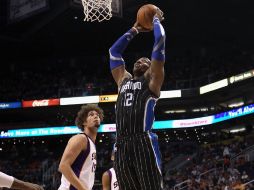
(145, 15)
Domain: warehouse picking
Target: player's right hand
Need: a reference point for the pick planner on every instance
(141, 28)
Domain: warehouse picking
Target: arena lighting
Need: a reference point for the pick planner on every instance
(171, 94)
(213, 86)
(175, 111)
(237, 130)
(80, 100)
(169, 124)
(235, 104)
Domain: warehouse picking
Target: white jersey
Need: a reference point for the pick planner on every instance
(84, 167)
(6, 180)
(113, 180)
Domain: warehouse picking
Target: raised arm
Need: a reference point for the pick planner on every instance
(158, 55)
(117, 64)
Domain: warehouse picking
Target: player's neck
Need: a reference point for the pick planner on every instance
(135, 77)
(92, 133)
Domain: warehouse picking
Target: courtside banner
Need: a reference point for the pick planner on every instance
(10, 105)
(242, 76)
(185, 123)
(169, 124)
(40, 103)
(245, 110)
(80, 100)
(108, 98)
(107, 128)
(48, 131)
(16, 133)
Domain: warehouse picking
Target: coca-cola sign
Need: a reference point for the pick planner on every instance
(39, 103)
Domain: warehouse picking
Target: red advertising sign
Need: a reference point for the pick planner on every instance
(39, 103)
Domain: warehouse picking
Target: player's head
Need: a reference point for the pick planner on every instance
(141, 66)
(89, 116)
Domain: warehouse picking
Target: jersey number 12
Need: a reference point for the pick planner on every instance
(128, 99)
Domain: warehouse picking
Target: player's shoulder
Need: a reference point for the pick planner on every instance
(106, 174)
(79, 141)
(79, 138)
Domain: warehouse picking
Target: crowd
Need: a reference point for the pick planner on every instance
(80, 76)
(36, 160)
(217, 166)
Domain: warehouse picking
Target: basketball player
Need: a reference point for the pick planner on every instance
(13, 183)
(109, 180)
(78, 162)
(137, 159)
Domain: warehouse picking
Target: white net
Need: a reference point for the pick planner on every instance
(97, 10)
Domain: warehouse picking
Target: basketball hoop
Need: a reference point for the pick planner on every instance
(97, 10)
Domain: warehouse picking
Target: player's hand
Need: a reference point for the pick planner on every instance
(31, 186)
(84, 188)
(141, 28)
(159, 14)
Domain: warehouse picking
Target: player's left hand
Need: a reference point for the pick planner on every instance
(159, 14)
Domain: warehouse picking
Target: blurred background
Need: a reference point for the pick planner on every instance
(49, 54)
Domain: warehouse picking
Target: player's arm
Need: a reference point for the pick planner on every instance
(6, 180)
(18, 184)
(75, 145)
(11, 182)
(105, 181)
(117, 64)
(156, 71)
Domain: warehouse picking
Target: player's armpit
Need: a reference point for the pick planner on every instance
(119, 74)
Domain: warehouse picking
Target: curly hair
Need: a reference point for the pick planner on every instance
(83, 113)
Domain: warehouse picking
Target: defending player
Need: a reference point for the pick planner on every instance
(78, 162)
(109, 180)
